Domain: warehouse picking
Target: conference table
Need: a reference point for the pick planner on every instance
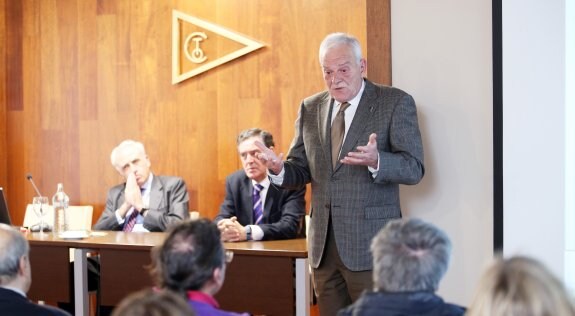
(264, 278)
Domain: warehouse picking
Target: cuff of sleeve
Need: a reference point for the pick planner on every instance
(372, 170)
(257, 232)
(277, 178)
(119, 218)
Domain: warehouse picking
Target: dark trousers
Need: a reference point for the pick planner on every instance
(335, 285)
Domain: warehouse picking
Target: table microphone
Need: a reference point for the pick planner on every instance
(37, 228)
(29, 177)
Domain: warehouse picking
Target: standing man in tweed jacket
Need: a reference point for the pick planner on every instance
(355, 185)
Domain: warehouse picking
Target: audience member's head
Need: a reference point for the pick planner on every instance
(153, 303)
(192, 258)
(520, 286)
(255, 169)
(130, 157)
(14, 260)
(409, 255)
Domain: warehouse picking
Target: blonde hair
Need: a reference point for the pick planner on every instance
(520, 286)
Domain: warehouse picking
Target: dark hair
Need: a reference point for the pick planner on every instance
(187, 258)
(153, 303)
(249, 133)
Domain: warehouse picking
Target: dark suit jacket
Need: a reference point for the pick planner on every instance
(359, 204)
(168, 205)
(402, 303)
(283, 209)
(14, 304)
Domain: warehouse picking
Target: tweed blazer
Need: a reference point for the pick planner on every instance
(168, 205)
(360, 205)
(284, 210)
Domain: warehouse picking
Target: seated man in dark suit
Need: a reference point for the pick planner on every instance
(146, 202)
(16, 278)
(409, 259)
(253, 208)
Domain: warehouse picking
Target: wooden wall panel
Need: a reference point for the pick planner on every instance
(3, 72)
(91, 73)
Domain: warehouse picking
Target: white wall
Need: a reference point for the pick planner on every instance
(441, 55)
(570, 145)
(534, 129)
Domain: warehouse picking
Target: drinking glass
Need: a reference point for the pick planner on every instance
(40, 206)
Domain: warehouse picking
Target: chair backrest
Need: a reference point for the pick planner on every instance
(79, 217)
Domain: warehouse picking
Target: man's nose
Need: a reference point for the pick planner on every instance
(334, 77)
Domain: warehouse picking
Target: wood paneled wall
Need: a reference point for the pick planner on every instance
(79, 76)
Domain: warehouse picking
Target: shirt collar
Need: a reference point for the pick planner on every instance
(353, 103)
(148, 184)
(199, 296)
(265, 183)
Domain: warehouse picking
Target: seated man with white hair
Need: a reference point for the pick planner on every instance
(409, 259)
(145, 202)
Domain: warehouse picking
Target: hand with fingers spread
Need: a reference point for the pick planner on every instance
(269, 158)
(364, 155)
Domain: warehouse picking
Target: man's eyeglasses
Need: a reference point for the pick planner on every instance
(229, 256)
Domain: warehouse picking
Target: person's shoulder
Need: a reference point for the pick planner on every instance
(453, 310)
(117, 188)
(29, 308)
(169, 179)
(383, 90)
(237, 176)
(53, 311)
(319, 97)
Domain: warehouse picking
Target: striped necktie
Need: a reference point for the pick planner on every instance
(131, 221)
(258, 207)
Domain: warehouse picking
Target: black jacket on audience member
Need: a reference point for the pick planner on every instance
(395, 304)
(14, 304)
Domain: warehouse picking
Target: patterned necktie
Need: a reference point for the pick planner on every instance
(258, 209)
(131, 221)
(337, 132)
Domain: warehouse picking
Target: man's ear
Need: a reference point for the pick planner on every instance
(23, 265)
(219, 275)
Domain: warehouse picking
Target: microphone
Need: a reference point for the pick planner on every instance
(29, 177)
(37, 227)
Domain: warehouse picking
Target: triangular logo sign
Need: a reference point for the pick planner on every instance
(198, 46)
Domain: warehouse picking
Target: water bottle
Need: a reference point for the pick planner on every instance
(60, 203)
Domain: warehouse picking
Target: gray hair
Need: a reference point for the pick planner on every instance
(252, 132)
(336, 39)
(409, 255)
(13, 246)
(124, 145)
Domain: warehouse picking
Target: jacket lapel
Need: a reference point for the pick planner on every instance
(324, 124)
(156, 193)
(270, 199)
(246, 192)
(358, 124)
